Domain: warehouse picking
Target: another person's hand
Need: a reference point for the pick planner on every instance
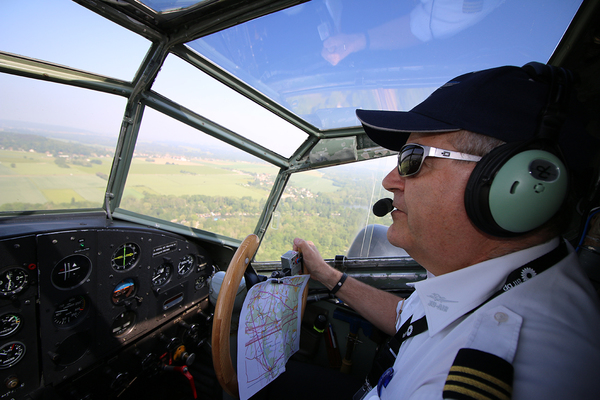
(338, 47)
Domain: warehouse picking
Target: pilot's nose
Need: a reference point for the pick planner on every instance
(393, 181)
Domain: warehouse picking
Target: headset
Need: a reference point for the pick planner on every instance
(520, 186)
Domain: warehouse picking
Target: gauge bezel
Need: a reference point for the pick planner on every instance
(122, 300)
(14, 329)
(73, 348)
(126, 330)
(78, 318)
(130, 265)
(80, 282)
(191, 258)
(22, 286)
(168, 278)
(18, 359)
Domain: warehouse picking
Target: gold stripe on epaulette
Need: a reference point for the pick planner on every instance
(482, 375)
(464, 391)
(496, 394)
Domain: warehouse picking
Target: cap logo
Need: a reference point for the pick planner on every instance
(449, 84)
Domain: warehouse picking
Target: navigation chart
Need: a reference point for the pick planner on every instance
(269, 331)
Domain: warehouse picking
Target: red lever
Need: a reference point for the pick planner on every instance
(185, 372)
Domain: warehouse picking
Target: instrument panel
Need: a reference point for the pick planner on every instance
(71, 298)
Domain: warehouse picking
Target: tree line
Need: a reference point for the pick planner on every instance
(330, 220)
(41, 144)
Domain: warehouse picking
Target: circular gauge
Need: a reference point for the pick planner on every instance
(70, 311)
(125, 257)
(13, 281)
(186, 265)
(73, 348)
(162, 274)
(9, 324)
(11, 353)
(124, 290)
(71, 271)
(123, 323)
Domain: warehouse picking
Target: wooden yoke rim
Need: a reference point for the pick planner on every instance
(221, 352)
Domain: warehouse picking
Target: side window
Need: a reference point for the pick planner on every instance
(56, 157)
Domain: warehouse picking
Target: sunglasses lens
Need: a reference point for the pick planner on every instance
(410, 159)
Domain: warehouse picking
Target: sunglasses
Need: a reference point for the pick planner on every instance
(411, 157)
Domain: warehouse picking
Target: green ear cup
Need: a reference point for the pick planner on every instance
(528, 190)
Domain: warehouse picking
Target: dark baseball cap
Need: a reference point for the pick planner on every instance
(506, 103)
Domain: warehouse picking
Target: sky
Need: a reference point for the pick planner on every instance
(37, 29)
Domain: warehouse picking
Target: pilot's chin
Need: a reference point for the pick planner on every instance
(394, 236)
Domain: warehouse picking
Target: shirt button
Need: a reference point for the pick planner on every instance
(500, 317)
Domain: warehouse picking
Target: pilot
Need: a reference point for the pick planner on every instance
(506, 311)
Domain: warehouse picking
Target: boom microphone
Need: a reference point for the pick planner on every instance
(382, 207)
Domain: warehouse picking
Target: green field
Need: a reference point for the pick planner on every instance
(35, 178)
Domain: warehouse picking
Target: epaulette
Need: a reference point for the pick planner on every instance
(476, 374)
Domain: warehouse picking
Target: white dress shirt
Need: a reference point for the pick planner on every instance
(437, 19)
(548, 328)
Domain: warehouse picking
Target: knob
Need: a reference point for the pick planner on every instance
(182, 355)
(11, 382)
(55, 357)
(117, 379)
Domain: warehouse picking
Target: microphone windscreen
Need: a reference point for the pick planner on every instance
(382, 207)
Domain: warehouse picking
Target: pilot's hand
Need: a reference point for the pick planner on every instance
(311, 259)
(338, 47)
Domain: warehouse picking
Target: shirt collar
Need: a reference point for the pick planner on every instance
(447, 297)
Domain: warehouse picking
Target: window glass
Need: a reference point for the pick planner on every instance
(182, 175)
(197, 91)
(330, 207)
(324, 59)
(56, 144)
(86, 41)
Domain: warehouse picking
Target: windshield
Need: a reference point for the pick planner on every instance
(248, 129)
(330, 207)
